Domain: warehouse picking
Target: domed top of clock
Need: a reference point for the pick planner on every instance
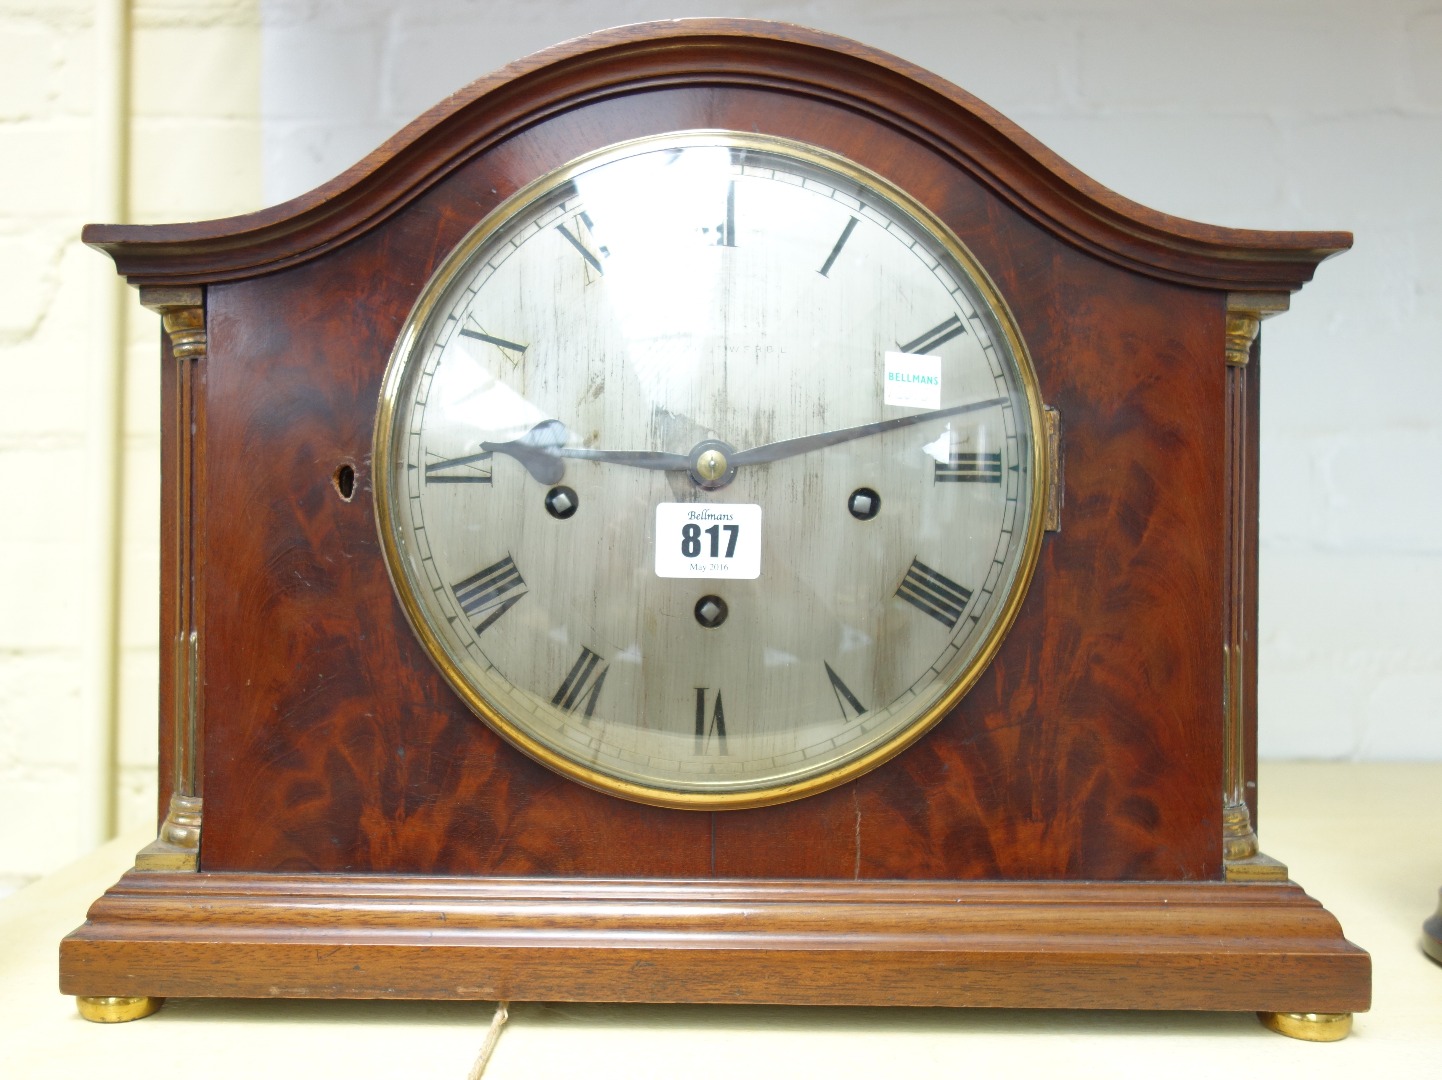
(623, 66)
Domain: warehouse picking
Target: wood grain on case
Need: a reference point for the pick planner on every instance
(1088, 749)
(1119, 946)
(322, 688)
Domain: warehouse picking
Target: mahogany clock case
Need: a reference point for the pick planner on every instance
(333, 760)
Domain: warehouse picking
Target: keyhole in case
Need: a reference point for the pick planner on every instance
(343, 480)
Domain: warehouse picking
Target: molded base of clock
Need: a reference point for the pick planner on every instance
(1212, 946)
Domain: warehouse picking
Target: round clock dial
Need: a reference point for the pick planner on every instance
(707, 470)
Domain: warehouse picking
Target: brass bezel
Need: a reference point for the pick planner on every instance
(383, 460)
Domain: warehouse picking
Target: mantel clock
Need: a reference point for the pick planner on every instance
(712, 513)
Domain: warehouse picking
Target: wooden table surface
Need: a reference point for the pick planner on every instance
(1361, 838)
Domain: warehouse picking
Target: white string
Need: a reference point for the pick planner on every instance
(493, 1036)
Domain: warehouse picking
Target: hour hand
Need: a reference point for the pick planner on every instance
(541, 449)
(537, 450)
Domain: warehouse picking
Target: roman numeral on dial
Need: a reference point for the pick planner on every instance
(969, 468)
(488, 595)
(936, 337)
(513, 350)
(460, 470)
(835, 251)
(933, 593)
(844, 696)
(583, 685)
(727, 237)
(710, 737)
(578, 234)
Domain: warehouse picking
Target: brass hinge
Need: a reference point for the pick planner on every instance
(1054, 487)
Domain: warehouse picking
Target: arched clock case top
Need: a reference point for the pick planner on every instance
(1095, 773)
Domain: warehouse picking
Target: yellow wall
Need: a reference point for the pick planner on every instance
(194, 152)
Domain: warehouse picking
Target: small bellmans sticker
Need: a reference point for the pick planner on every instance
(912, 381)
(716, 540)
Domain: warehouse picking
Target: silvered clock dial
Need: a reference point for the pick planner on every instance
(707, 470)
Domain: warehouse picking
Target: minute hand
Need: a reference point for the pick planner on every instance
(760, 455)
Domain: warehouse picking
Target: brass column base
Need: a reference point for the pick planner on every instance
(1312, 1027)
(116, 1010)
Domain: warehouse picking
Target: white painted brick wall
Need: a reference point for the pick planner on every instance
(1287, 114)
(195, 153)
(43, 127)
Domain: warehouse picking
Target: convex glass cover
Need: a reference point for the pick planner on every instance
(707, 470)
